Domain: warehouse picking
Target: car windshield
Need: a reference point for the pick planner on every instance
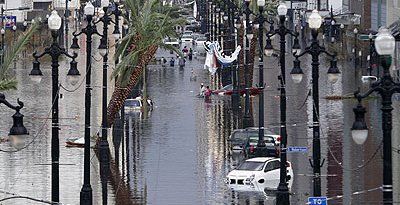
(133, 103)
(253, 140)
(201, 39)
(238, 137)
(250, 166)
(186, 36)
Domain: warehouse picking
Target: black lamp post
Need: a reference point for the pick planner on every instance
(103, 144)
(117, 13)
(236, 74)
(355, 31)
(3, 32)
(282, 31)
(372, 56)
(249, 36)
(385, 87)
(18, 132)
(260, 151)
(89, 30)
(315, 50)
(54, 51)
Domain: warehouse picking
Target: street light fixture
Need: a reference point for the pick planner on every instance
(55, 51)
(18, 132)
(249, 36)
(86, 196)
(282, 194)
(386, 88)
(315, 50)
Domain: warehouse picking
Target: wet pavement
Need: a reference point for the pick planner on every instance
(178, 153)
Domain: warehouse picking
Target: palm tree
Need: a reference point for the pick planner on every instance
(7, 81)
(151, 22)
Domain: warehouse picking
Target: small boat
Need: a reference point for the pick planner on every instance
(75, 142)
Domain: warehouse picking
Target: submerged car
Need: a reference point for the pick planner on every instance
(136, 104)
(270, 149)
(186, 38)
(258, 173)
(240, 141)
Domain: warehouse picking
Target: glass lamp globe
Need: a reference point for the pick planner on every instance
(384, 42)
(89, 9)
(105, 3)
(359, 130)
(261, 3)
(54, 21)
(282, 9)
(315, 20)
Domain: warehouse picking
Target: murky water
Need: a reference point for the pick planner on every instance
(177, 154)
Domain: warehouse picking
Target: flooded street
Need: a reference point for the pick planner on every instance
(178, 152)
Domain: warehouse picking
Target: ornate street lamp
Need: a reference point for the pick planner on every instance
(385, 87)
(89, 30)
(249, 36)
(54, 51)
(282, 31)
(315, 21)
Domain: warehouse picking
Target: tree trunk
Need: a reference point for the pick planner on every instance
(120, 94)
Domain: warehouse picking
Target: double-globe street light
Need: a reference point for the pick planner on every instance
(315, 50)
(282, 31)
(385, 87)
(55, 51)
(86, 196)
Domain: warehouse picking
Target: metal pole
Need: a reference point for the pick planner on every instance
(387, 146)
(55, 149)
(66, 23)
(261, 145)
(246, 117)
(316, 127)
(282, 190)
(86, 191)
(2, 36)
(103, 145)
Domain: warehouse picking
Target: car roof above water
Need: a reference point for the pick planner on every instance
(260, 159)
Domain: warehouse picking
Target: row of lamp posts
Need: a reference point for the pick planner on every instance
(55, 51)
(314, 50)
(386, 87)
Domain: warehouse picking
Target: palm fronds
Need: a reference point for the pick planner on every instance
(8, 82)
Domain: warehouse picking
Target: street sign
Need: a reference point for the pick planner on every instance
(9, 21)
(297, 149)
(317, 201)
(365, 37)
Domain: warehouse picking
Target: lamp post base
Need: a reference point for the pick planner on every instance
(282, 195)
(246, 121)
(86, 195)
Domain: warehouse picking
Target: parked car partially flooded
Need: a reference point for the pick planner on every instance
(258, 173)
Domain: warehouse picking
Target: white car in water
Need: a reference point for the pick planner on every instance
(258, 174)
